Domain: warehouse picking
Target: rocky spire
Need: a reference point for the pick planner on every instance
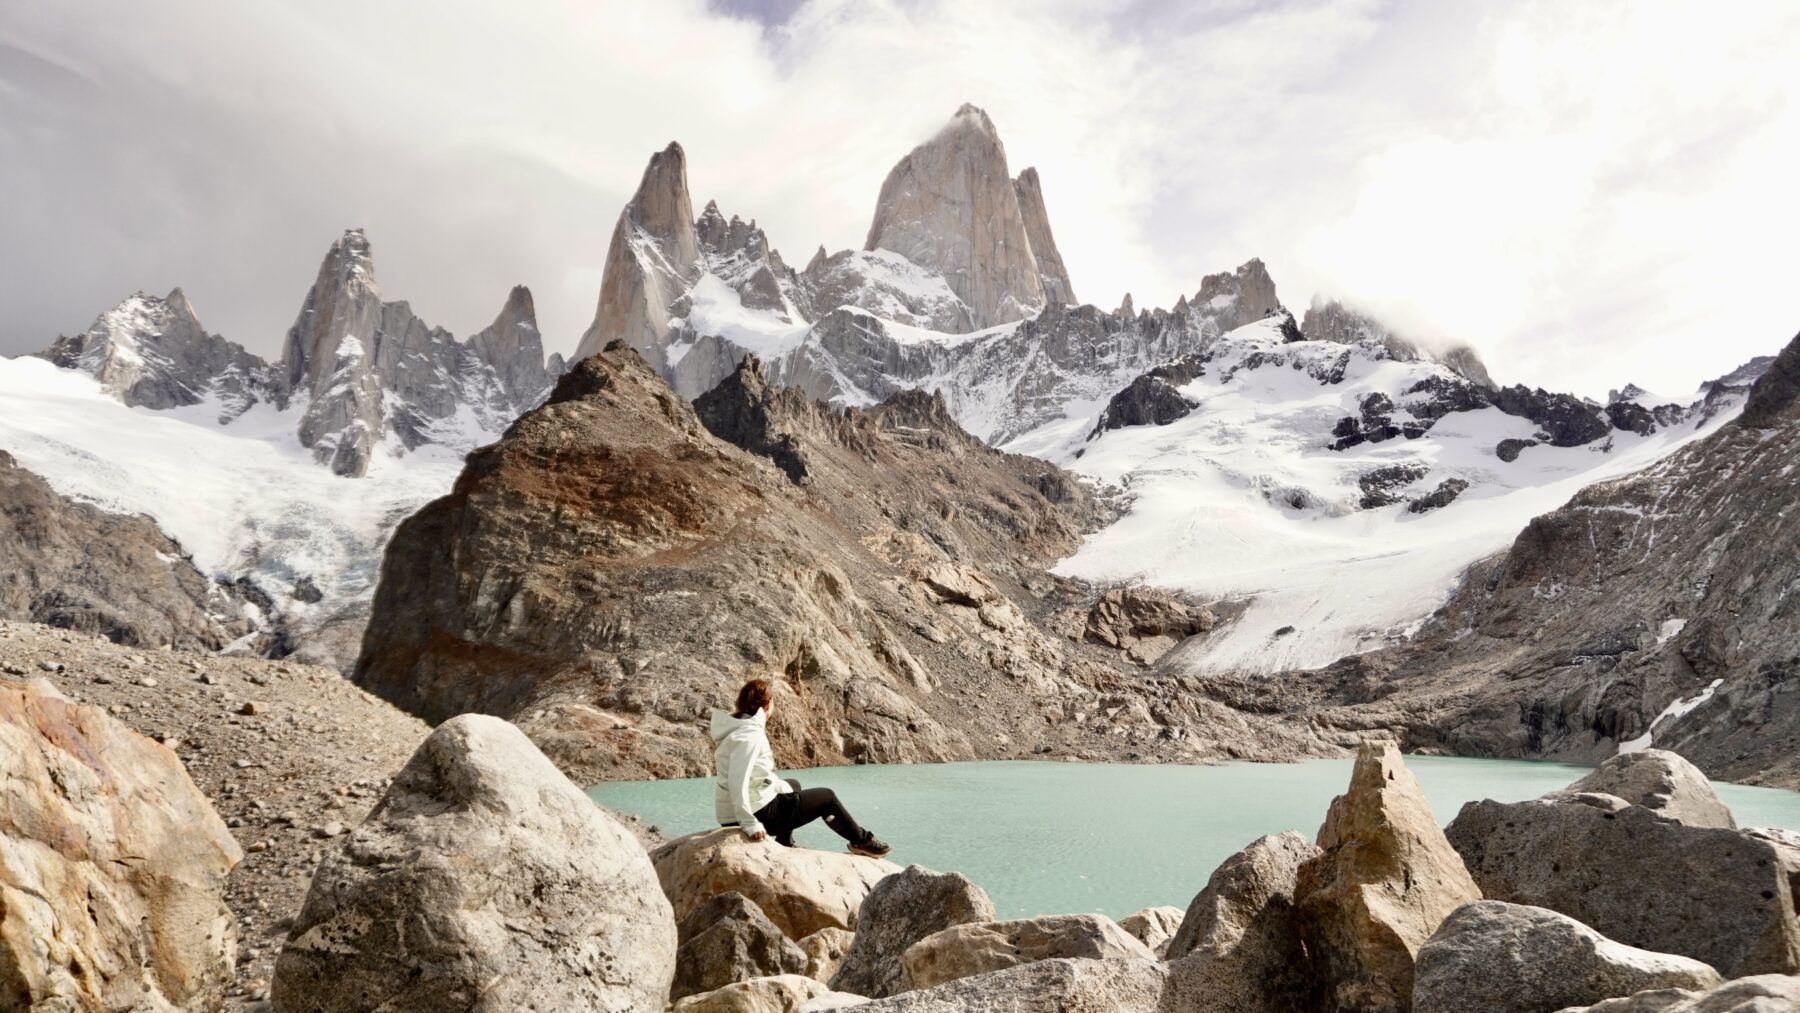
(950, 207)
(512, 346)
(1126, 308)
(652, 260)
(1051, 272)
(1238, 298)
(329, 357)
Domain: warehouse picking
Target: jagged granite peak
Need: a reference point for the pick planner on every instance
(513, 346)
(152, 352)
(1051, 270)
(818, 259)
(1231, 300)
(328, 358)
(653, 258)
(1126, 308)
(950, 206)
(1331, 320)
(1774, 393)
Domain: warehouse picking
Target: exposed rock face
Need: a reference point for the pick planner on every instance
(327, 356)
(783, 993)
(1771, 403)
(73, 565)
(112, 866)
(950, 206)
(514, 349)
(1076, 986)
(1763, 993)
(1665, 586)
(1717, 895)
(153, 353)
(1235, 299)
(1333, 321)
(964, 950)
(1385, 880)
(1051, 272)
(482, 880)
(1155, 927)
(825, 951)
(1240, 946)
(901, 910)
(728, 939)
(611, 570)
(1144, 622)
(1510, 958)
(1661, 781)
(800, 890)
(653, 258)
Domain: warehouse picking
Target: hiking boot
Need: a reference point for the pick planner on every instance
(871, 846)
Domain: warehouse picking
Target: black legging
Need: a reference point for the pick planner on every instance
(792, 810)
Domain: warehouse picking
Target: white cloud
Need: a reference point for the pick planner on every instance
(1584, 194)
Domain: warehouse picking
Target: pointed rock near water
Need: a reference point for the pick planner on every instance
(1511, 958)
(1385, 879)
(950, 206)
(482, 879)
(112, 866)
(652, 259)
(1051, 272)
(1239, 946)
(800, 890)
(901, 910)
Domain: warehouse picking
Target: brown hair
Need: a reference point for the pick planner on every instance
(753, 697)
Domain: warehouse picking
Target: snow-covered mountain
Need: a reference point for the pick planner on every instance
(282, 479)
(1325, 480)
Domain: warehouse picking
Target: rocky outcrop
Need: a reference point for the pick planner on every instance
(964, 950)
(800, 890)
(612, 568)
(1763, 993)
(153, 353)
(902, 910)
(783, 993)
(728, 939)
(73, 565)
(1510, 958)
(1229, 301)
(1660, 781)
(652, 259)
(1240, 946)
(112, 866)
(825, 951)
(1155, 927)
(1612, 866)
(950, 206)
(1331, 320)
(1772, 398)
(484, 879)
(1051, 272)
(513, 348)
(1385, 879)
(1144, 622)
(1102, 986)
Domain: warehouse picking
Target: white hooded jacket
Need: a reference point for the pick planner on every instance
(745, 778)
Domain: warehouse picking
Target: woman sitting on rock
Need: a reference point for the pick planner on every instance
(748, 795)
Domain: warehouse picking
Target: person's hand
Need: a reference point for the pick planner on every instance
(759, 836)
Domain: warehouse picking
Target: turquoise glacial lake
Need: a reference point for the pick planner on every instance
(1052, 838)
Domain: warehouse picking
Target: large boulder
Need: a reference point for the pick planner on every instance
(1717, 895)
(1065, 986)
(782, 993)
(1155, 927)
(901, 910)
(1239, 947)
(485, 880)
(1763, 993)
(729, 939)
(964, 950)
(112, 866)
(1660, 780)
(801, 890)
(1510, 958)
(1384, 882)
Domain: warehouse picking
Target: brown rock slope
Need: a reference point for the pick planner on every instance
(1678, 583)
(71, 564)
(612, 569)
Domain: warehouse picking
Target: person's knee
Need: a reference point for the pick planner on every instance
(827, 796)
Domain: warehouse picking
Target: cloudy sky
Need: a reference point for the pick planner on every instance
(1588, 192)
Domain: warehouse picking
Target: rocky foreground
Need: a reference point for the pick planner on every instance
(476, 876)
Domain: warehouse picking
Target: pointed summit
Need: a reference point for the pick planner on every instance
(950, 207)
(1051, 272)
(653, 258)
(329, 357)
(512, 346)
